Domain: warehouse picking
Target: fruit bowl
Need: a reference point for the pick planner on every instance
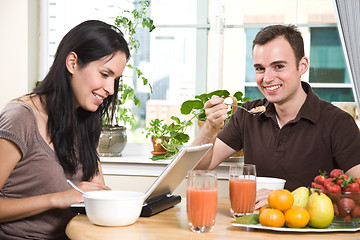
(346, 208)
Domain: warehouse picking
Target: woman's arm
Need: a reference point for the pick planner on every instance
(10, 155)
(14, 209)
(100, 177)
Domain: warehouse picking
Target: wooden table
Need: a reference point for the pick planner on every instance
(172, 224)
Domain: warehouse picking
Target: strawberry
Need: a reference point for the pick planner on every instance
(353, 187)
(336, 210)
(336, 173)
(334, 188)
(319, 187)
(314, 184)
(355, 213)
(328, 182)
(334, 196)
(339, 181)
(356, 197)
(345, 218)
(345, 206)
(350, 185)
(320, 179)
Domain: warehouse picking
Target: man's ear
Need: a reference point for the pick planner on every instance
(71, 61)
(303, 65)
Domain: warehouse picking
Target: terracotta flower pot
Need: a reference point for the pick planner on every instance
(158, 148)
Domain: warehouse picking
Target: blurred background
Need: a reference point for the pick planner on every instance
(198, 46)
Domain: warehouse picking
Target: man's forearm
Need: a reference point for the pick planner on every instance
(207, 134)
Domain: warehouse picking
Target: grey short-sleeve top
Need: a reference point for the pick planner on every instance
(38, 172)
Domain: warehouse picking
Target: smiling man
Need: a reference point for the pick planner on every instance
(298, 135)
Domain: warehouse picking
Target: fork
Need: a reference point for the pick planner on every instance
(249, 111)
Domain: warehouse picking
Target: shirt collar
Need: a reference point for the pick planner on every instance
(309, 110)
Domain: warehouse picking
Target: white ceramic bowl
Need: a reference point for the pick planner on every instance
(113, 208)
(269, 183)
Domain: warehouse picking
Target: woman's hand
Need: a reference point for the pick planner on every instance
(261, 197)
(71, 196)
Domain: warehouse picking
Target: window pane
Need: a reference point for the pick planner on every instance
(250, 72)
(327, 94)
(327, 62)
(169, 12)
(319, 11)
(172, 60)
(278, 12)
(259, 12)
(335, 94)
(253, 93)
(171, 70)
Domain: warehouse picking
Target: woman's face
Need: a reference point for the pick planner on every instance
(94, 82)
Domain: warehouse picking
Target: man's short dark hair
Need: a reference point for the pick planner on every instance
(290, 32)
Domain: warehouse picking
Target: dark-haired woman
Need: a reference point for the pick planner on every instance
(52, 134)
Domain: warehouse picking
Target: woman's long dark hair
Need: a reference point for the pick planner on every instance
(75, 132)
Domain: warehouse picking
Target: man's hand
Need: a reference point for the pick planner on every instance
(216, 112)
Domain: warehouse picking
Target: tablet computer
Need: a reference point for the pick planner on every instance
(176, 171)
(159, 196)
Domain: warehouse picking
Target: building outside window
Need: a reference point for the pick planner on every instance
(328, 66)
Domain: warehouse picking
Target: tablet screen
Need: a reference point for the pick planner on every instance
(176, 171)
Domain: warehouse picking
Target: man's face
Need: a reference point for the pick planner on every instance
(277, 75)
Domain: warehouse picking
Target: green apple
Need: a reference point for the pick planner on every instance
(301, 196)
(321, 210)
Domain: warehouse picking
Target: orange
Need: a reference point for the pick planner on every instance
(297, 217)
(281, 199)
(272, 218)
(263, 208)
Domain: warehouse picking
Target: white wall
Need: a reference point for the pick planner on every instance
(19, 32)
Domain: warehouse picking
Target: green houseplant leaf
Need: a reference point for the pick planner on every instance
(196, 107)
(128, 22)
(189, 105)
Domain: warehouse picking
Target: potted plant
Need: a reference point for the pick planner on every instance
(113, 136)
(166, 138)
(157, 131)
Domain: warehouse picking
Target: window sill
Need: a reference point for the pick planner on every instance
(135, 161)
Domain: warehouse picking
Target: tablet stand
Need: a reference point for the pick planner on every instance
(157, 205)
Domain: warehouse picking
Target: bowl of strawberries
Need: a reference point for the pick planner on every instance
(344, 192)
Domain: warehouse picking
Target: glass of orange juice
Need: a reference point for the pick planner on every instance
(201, 200)
(242, 190)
